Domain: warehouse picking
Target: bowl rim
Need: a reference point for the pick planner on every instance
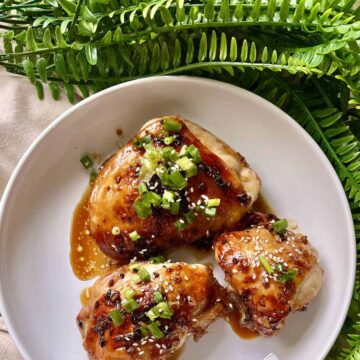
(6, 197)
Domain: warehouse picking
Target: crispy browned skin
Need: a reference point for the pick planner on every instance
(193, 293)
(222, 174)
(266, 301)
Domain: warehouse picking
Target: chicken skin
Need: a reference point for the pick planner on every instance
(146, 311)
(273, 270)
(173, 183)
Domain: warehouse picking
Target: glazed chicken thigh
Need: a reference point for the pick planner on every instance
(146, 311)
(273, 271)
(173, 183)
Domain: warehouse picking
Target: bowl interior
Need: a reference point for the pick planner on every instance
(39, 293)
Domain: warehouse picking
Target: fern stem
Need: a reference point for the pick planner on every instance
(73, 22)
(163, 30)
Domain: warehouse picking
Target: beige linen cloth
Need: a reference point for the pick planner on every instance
(22, 118)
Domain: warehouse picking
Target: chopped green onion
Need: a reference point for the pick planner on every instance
(194, 152)
(147, 170)
(213, 202)
(143, 274)
(174, 208)
(288, 275)
(169, 140)
(142, 205)
(134, 236)
(157, 259)
(169, 195)
(143, 210)
(266, 265)
(187, 165)
(155, 330)
(151, 315)
(280, 226)
(167, 198)
(152, 154)
(129, 293)
(172, 125)
(142, 188)
(210, 211)
(116, 317)
(115, 230)
(162, 310)
(86, 161)
(189, 217)
(178, 181)
(144, 331)
(151, 197)
(93, 176)
(279, 267)
(183, 150)
(158, 297)
(131, 306)
(140, 142)
(180, 224)
(169, 153)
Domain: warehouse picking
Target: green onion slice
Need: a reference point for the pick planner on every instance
(288, 275)
(178, 181)
(134, 236)
(174, 208)
(213, 202)
(116, 317)
(143, 274)
(129, 293)
(162, 310)
(187, 165)
(172, 125)
(266, 265)
(131, 306)
(86, 161)
(93, 176)
(142, 188)
(280, 226)
(194, 152)
(155, 330)
(158, 297)
(157, 259)
(210, 211)
(189, 217)
(180, 224)
(169, 140)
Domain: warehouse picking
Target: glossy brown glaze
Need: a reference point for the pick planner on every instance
(262, 205)
(86, 259)
(234, 320)
(116, 189)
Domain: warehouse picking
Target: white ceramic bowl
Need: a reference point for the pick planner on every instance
(39, 295)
